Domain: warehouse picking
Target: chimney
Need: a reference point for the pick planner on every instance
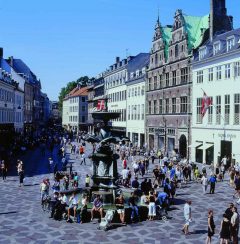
(1, 52)
(10, 61)
(117, 59)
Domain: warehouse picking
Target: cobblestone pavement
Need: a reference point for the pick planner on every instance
(22, 220)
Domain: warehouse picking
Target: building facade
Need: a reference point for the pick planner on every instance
(169, 83)
(75, 110)
(115, 89)
(90, 109)
(216, 71)
(169, 89)
(136, 97)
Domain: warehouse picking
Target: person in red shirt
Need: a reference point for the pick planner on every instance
(124, 163)
(81, 149)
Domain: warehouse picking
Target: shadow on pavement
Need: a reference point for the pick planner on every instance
(11, 212)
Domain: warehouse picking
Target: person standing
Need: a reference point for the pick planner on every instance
(211, 227)
(234, 225)
(4, 170)
(225, 230)
(212, 181)
(204, 182)
(188, 216)
(20, 172)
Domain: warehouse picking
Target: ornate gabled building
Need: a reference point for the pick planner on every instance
(169, 82)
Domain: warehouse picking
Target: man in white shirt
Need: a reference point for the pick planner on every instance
(234, 225)
(125, 173)
(188, 216)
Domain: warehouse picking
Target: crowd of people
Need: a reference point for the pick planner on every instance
(150, 178)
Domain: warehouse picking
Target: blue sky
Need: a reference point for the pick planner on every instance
(63, 40)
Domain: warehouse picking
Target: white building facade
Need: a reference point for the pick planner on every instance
(116, 90)
(75, 110)
(216, 71)
(136, 97)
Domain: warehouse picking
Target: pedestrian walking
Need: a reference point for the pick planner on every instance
(225, 230)
(212, 180)
(234, 226)
(4, 170)
(187, 211)
(20, 172)
(211, 227)
(204, 182)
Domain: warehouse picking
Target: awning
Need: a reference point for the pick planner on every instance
(206, 146)
(195, 144)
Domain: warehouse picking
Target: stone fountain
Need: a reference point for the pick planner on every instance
(104, 159)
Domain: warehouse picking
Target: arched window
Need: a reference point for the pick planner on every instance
(176, 50)
(156, 59)
(182, 48)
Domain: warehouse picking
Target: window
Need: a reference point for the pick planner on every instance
(83, 99)
(200, 76)
(176, 50)
(202, 53)
(184, 75)
(237, 109)
(236, 69)
(218, 110)
(174, 78)
(210, 113)
(161, 81)
(142, 91)
(227, 109)
(167, 105)
(210, 74)
(83, 109)
(149, 107)
(183, 104)
(216, 48)
(143, 112)
(139, 91)
(219, 72)
(230, 43)
(156, 59)
(167, 79)
(199, 108)
(155, 82)
(129, 112)
(135, 91)
(227, 71)
(138, 112)
(149, 83)
(174, 105)
(160, 106)
(155, 106)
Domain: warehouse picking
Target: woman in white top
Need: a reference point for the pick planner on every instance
(204, 182)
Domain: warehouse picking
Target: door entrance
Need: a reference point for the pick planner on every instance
(183, 146)
(226, 149)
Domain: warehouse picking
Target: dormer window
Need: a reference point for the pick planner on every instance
(202, 53)
(216, 47)
(230, 43)
(131, 75)
(137, 73)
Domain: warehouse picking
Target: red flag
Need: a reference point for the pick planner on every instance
(206, 102)
(101, 105)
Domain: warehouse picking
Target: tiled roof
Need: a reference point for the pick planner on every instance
(78, 92)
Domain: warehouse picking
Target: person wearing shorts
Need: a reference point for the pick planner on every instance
(120, 208)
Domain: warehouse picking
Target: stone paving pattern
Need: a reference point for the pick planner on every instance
(23, 221)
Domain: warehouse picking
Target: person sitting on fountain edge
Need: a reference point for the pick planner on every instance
(97, 207)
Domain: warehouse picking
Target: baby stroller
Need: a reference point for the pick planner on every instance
(161, 213)
(106, 222)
